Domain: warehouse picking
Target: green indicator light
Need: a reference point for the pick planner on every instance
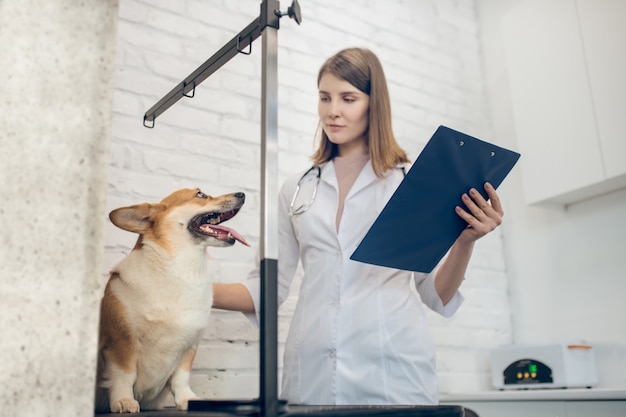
(532, 368)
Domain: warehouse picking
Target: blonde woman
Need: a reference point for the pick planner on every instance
(358, 334)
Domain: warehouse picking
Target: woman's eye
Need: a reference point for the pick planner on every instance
(324, 99)
(348, 99)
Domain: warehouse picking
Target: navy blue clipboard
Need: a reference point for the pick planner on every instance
(418, 225)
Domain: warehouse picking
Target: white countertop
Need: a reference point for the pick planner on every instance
(557, 394)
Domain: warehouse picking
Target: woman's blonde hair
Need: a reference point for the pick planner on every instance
(361, 68)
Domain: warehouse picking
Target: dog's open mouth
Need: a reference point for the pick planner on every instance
(208, 224)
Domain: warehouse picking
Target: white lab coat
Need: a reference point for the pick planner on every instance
(358, 334)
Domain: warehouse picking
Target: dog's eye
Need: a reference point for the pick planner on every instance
(201, 195)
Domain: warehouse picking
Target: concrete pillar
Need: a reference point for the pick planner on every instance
(56, 68)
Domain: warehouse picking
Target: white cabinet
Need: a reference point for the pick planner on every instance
(566, 61)
(552, 408)
(571, 402)
(603, 30)
(595, 409)
(548, 408)
(519, 409)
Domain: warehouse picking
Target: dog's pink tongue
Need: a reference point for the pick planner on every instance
(227, 231)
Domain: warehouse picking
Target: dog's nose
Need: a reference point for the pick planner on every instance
(240, 195)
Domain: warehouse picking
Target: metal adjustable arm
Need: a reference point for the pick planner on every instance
(269, 17)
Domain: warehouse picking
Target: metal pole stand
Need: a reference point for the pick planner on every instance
(267, 25)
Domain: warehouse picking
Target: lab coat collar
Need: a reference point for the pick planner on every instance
(366, 177)
(328, 174)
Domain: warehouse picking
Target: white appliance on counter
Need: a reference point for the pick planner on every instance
(544, 366)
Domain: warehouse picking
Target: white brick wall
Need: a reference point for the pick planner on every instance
(430, 52)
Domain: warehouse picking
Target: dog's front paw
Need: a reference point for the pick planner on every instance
(183, 403)
(125, 405)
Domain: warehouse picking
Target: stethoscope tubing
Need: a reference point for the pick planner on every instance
(305, 206)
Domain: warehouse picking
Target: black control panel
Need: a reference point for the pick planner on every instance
(527, 371)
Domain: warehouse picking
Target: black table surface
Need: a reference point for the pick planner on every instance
(208, 409)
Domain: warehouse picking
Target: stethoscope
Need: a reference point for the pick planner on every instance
(305, 206)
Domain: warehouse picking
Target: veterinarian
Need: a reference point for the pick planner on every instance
(358, 334)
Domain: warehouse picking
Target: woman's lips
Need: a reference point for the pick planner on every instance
(334, 128)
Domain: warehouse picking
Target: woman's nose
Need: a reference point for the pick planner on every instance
(333, 109)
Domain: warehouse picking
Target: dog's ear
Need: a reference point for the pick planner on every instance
(135, 218)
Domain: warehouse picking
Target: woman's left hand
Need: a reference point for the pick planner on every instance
(483, 216)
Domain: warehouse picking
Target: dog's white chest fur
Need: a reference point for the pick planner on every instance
(180, 276)
(175, 303)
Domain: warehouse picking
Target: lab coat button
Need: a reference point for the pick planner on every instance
(332, 353)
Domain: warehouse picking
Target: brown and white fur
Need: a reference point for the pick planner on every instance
(158, 299)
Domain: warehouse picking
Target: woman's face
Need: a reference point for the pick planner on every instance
(344, 114)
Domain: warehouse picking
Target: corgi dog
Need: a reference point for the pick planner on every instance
(158, 299)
